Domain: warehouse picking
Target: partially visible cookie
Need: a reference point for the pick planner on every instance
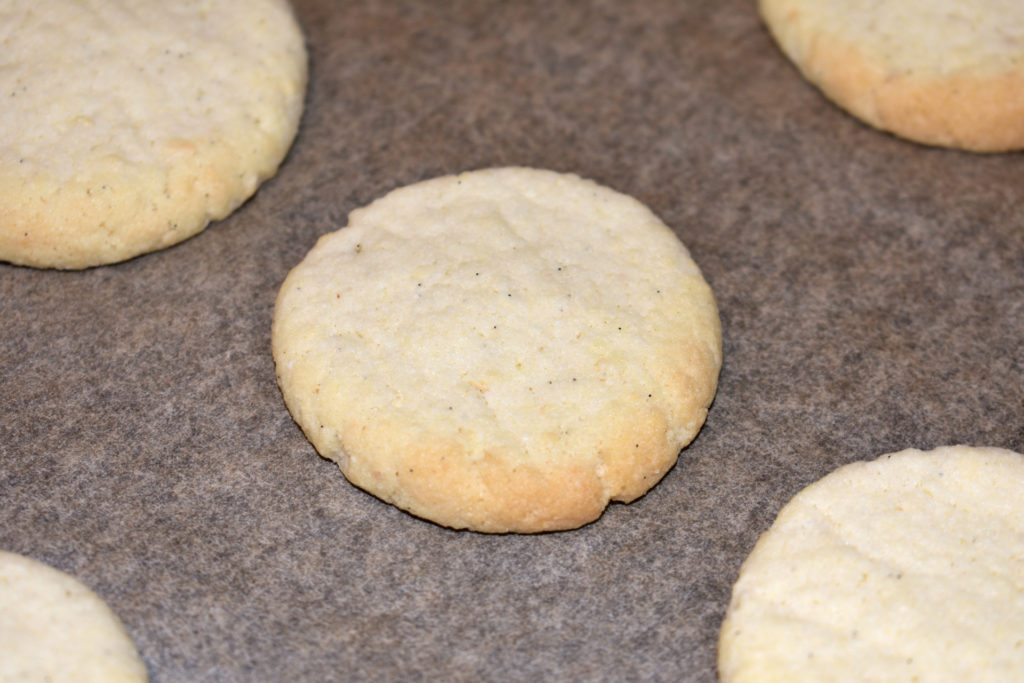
(502, 350)
(52, 628)
(906, 568)
(128, 127)
(939, 72)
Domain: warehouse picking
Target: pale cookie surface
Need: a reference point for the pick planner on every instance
(503, 350)
(128, 125)
(52, 628)
(939, 72)
(906, 568)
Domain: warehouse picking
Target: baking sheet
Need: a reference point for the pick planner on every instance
(871, 294)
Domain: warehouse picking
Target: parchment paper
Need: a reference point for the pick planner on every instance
(871, 294)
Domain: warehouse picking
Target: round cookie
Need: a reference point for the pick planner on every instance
(939, 72)
(128, 127)
(502, 350)
(909, 567)
(52, 628)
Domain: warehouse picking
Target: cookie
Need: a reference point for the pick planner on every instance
(906, 568)
(939, 72)
(128, 127)
(503, 350)
(52, 628)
